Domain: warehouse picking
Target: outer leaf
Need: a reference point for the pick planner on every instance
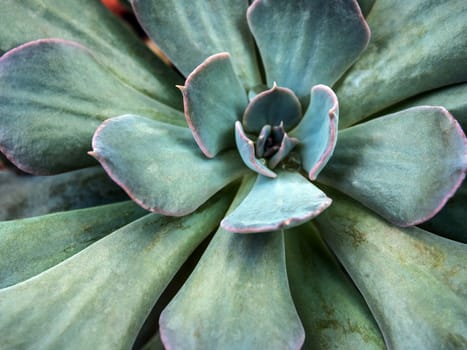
(307, 42)
(404, 166)
(427, 51)
(236, 282)
(53, 96)
(189, 32)
(332, 311)
(25, 196)
(30, 246)
(317, 131)
(414, 282)
(99, 298)
(286, 201)
(273, 107)
(92, 25)
(160, 166)
(214, 100)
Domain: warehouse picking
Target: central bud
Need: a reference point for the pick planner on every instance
(261, 137)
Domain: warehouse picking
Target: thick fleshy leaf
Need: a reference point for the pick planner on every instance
(25, 196)
(287, 145)
(214, 100)
(246, 149)
(450, 221)
(90, 24)
(334, 314)
(286, 201)
(160, 166)
(404, 166)
(189, 32)
(317, 132)
(100, 297)
(307, 42)
(427, 51)
(53, 95)
(242, 297)
(30, 246)
(414, 282)
(272, 107)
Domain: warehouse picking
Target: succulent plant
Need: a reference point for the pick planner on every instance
(295, 185)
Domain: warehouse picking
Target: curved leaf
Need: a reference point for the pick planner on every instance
(53, 95)
(189, 32)
(214, 100)
(404, 166)
(160, 166)
(307, 42)
(30, 246)
(427, 51)
(92, 25)
(26, 196)
(100, 297)
(317, 132)
(334, 314)
(236, 282)
(286, 201)
(414, 282)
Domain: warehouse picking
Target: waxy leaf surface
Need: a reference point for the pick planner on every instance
(414, 282)
(307, 42)
(53, 96)
(404, 166)
(160, 166)
(100, 297)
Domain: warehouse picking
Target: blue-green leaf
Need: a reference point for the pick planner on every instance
(286, 201)
(414, 282)
(307, 42)
(404, 166)
(214, 100)
(189, 32)
(160, 166)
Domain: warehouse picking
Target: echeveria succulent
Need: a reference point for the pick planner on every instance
(285, 178)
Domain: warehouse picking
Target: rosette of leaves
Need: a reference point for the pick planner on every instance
(306, 227)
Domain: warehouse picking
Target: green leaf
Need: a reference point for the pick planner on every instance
(25, 196)
(307, 42)
(91, 24)
(334, 314)
(53, 95)
(404, 166)
(160, 166)
(414, 282)
(214, 100)
(366, 5)
(237, 298)
(99, 298)
(30, 246)
(422, 47)
(189, 32)
(272, 204)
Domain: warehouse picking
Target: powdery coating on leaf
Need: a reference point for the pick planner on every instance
(333, 112)
(8, 153)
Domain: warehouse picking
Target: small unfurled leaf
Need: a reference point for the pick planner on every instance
(189, 32)
(426, 51)
(160, 166)
(242, 296)
(100, 297)
(53, 95)
(286, 201)
(414, 282)
(214, 100)
(404, 166)
(317, 132)
(272, 107)
(30, 246)
(307, 42)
